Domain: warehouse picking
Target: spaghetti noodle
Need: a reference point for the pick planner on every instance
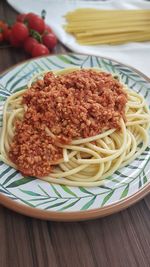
(78, 161)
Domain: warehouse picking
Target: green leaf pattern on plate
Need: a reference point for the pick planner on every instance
(40, 194)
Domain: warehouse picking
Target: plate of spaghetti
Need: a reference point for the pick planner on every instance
(74, 137)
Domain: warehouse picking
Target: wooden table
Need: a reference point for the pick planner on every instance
(120, 240)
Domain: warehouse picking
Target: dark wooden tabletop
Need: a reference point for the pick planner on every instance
(120, 240)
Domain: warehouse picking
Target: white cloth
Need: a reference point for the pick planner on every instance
(134, 54)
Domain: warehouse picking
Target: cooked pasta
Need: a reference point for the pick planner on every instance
(92, 26)
(82, 161)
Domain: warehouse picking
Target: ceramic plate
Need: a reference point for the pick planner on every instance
(44, 200)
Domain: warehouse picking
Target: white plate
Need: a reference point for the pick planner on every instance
(41, 199)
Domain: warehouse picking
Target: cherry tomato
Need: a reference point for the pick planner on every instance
(29, 15)
(14, 42)
(39, 50)
(1, 37)
(35, 22)
(20, 31)
(47, 29)
(7, 33)
(1, 23)
(3, 26)
(49, 40)
(30, 42)
(21, 17)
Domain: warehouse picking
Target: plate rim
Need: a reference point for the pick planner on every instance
(75, 215)
(66, 216)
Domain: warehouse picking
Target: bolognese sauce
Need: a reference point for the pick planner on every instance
(74, 105)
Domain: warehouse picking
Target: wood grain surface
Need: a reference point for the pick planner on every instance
(120, 240)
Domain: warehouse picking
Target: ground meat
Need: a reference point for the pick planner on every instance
(79, 104)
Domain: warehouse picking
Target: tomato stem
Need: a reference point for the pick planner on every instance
(36, 35)
(43, 14)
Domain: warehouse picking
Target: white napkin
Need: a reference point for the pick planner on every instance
(134, 54)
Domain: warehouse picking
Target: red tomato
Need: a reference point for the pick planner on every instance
(1, 23)
(20, 31)
(14, 42)
(49, 40)
(47, 29)
(39, 50)
(7, 33)
(29, 15)
(1, 37)
(35, 22)
(21, 17)
(30, 42)
(3, 27)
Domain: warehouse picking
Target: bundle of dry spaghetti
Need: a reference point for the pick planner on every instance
(92, 26)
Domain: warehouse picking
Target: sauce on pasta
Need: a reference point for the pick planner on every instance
(75, 105)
